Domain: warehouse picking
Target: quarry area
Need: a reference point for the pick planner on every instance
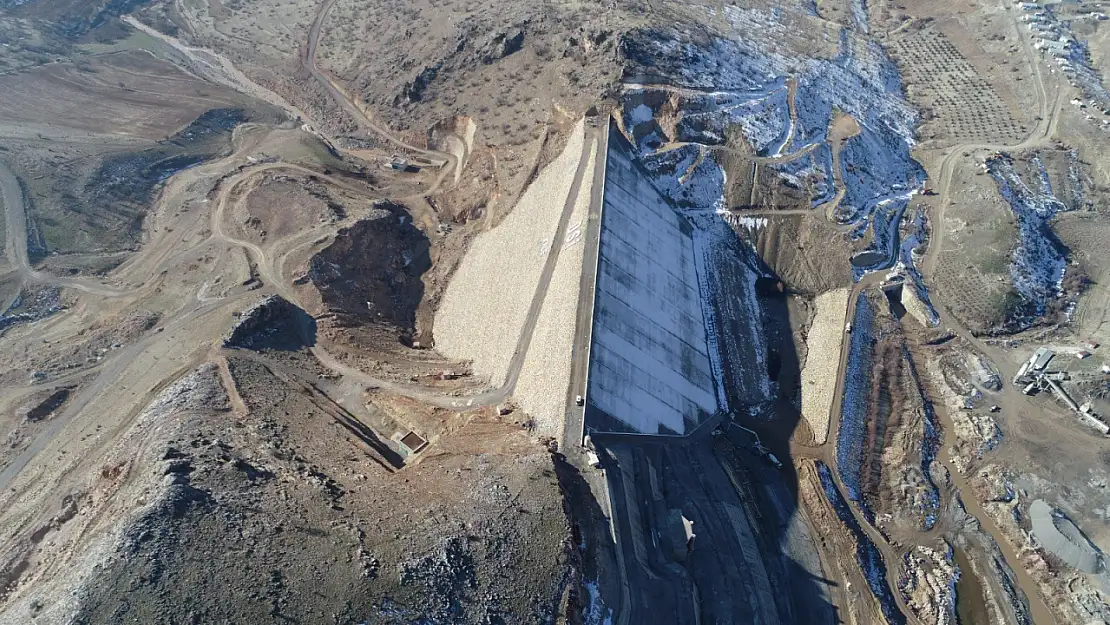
(382, 311)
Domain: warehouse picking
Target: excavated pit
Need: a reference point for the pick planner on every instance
(368, 282)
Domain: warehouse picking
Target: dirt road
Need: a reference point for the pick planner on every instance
(1050, 108)
(110, 375)
(448, 163)
(15, 245)
(1046, 125)
(1048, 119)
(827, 452)
(274, 278)
(268, 258)
(212, 66)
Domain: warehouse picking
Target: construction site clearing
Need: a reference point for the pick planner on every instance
(1044, 372)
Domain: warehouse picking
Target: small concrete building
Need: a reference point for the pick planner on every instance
(412, 443)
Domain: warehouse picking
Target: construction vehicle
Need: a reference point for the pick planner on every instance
(593, 460)
(398, 163)
(767, 455)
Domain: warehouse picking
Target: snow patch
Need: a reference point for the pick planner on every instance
(596, 612)
(1038, 262)
(641, 114)
(745, 87)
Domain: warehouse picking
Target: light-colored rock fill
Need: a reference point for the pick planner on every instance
(542, 387)
(822, 361)
(915, 306)
(486, 303)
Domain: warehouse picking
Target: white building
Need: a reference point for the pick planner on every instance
(1050, 44)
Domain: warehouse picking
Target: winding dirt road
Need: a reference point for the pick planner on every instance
(269, 260)
(15, 245)
(1049, 114)
(448, 163)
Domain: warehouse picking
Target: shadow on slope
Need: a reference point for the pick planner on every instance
(753, 558)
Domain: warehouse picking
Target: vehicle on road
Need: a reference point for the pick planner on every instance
(593, 460)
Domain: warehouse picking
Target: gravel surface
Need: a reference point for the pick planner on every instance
(487, 300)
(822, 363)
(545, 374)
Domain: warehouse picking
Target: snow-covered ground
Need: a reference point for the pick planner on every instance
(1075, 61)
(596, 613)
(717, 85)
(745, 88)
(687, 176)
(1037, 263)
(926, 497)
(812, 171)
(741, 80)
(853, 410)
(868, 557)
(910, 250)
(734, 316)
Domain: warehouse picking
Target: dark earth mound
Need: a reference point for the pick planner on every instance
(371, 273)
(272, 323)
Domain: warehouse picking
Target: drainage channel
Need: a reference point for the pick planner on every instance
(1038, 610)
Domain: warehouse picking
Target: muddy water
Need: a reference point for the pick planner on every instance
(868, 259)
(971, 603)
(1038, 611)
